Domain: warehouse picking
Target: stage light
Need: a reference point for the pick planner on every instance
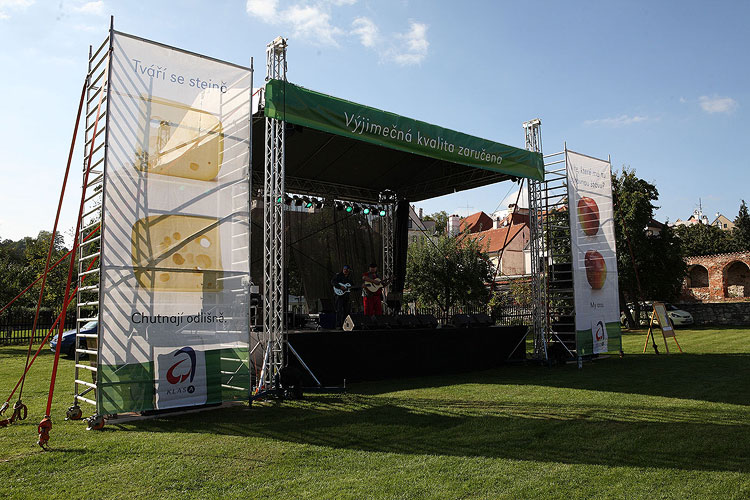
(339, 206)
(382, 212)
(308, 202)
(349, 209)
(318, 203)
(279, 199)
(298, 201)
(366, 210)
(357, 209)
(288, 199)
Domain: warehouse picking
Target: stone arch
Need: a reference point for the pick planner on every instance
(736, 279)
(697, 276)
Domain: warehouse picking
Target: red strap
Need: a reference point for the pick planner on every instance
(68, 295)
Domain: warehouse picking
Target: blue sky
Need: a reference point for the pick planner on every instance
(663, 90)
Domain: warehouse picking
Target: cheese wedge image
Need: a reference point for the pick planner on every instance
(182, 141)
(177, 253)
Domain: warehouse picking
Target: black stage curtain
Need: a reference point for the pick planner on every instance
(401, 244)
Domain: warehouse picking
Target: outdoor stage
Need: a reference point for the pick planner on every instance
(335, 355)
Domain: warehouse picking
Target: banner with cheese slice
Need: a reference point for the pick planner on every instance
(175, 235)
(183, 141)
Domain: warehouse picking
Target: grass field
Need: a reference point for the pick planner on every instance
(644, 426)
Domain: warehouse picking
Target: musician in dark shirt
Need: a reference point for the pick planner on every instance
(342, 284)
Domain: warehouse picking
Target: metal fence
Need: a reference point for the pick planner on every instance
(508, 315)
(16, 326)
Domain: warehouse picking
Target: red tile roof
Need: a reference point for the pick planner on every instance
(479, 221)
(492, 241)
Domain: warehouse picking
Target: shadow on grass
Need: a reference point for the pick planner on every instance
(635, 436)
(719, 378)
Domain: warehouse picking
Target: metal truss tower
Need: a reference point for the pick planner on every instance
(537, 245)
(274, 329)
(388, 200)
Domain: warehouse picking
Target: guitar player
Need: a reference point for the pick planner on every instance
(373, 300)
(343, 283)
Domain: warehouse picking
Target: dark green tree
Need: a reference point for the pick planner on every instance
(441, 221)
(741, 231)
(649, 267)
(703, 239)
(447, 271)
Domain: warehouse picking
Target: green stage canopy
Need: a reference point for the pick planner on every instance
(344, 149)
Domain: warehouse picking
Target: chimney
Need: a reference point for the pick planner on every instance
(497, 223)
(421, 214)
(454, 225)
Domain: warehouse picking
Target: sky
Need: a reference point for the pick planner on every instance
(660, 87)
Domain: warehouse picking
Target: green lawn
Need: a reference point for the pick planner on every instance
(644, 426)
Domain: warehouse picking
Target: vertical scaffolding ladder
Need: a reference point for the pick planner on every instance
(89, 256)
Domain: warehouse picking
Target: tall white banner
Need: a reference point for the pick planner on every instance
(176, 236)
(594, 254)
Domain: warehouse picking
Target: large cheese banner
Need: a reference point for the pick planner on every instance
(592, 231)
(175, 243)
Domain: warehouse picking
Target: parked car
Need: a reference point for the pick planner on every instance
(69, 339)
(677, 315)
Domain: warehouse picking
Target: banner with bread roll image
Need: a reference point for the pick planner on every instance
(182, 141)
(592, 231)
(175, 244)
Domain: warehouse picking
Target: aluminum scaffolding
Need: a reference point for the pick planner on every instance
(88, 294)
(273, 336)
(551, 257)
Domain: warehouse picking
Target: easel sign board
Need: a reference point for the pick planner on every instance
(659, 313)
(660, 310)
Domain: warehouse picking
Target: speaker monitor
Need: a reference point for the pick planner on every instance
(427, 321)
(461, 320)
(385, 322)
(408, 321)
(481, 319)
(358, 321)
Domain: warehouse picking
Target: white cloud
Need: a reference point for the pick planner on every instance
(411, 47)
(13, 5)
(308, 22)
(96, 8)
(716, 104)
(311, 21)
(618, 121)
(366, 30)
(264, 9)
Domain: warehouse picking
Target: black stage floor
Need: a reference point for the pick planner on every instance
(335, 355)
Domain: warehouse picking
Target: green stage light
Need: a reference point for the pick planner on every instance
(349, 209)
(366, 211)
(308, 204)
(278, 200)
(382, 212)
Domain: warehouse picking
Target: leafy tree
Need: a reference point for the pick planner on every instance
(704, 239)
(21, 262)
(658, 259)
(441, 221)
(741, 231)
(447, 271)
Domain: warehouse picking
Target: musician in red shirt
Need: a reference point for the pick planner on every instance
(373, 301)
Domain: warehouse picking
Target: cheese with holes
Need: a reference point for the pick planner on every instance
(182, 141)
(178, 253)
